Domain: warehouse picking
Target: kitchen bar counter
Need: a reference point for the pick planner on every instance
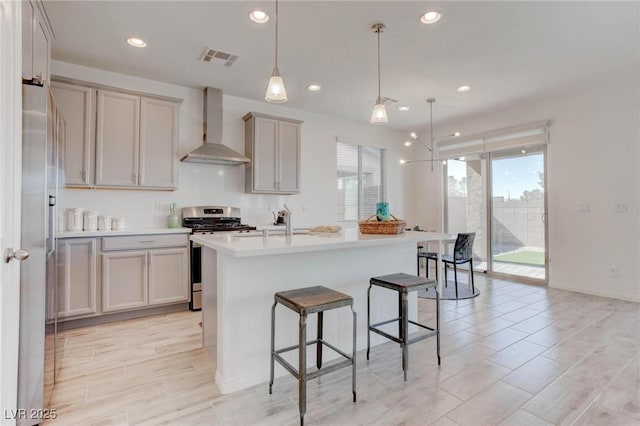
(241, 274)
(124, 232)
(254, 244)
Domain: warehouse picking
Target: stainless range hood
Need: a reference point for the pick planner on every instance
(212, 151)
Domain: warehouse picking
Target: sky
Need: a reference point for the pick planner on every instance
(510, 176)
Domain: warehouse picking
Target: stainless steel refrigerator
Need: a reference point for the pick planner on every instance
(42, 138)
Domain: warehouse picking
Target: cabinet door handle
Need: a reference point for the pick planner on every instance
(84, 176)
(38, 79)
(147, 241)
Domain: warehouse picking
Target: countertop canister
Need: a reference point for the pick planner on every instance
(74, 219)
(90, 221)
(104, 223)
(117, 223)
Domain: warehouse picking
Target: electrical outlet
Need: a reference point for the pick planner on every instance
(620, 207)
(584, 208)
(306, 208)
(613, 272)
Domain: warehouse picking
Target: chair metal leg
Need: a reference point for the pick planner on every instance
(302, 366)
(273, 343)
(444, 264)
(319, 345)
(473, 287)
(353, 354)
(438, 323)
(436, 262)
(418, 265)
(405, 332)
(455, 277)
(368, 320)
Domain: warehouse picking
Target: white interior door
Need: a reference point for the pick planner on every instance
(10, 184)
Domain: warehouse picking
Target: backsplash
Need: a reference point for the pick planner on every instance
(199, 184)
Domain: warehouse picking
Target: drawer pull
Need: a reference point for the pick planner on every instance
(147, 241)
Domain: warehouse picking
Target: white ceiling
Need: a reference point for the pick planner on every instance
(507, 52)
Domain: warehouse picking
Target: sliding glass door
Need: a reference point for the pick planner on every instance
(501, 197)
(518, 214)
(466, 205)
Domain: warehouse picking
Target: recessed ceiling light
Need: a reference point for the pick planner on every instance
(456, 134)
(403, 161)
(461, 159)
(136, 42)
(413, 135)
(524, 151)
(258, 16)
(430, 17)
(314, 87)
(464, 88)
(444, 162)
(403, 108)
(408, 143)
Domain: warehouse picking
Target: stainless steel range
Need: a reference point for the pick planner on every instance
(208, 220)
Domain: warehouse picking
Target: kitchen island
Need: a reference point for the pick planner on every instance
(241, 273)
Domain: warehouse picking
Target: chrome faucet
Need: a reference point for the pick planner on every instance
(288, 224)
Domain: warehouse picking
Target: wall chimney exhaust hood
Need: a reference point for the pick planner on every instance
(212, 151)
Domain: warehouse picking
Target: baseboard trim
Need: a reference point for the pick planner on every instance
(118, 316)
(609, 295)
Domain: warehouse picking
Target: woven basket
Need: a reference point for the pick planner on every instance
(390, 227)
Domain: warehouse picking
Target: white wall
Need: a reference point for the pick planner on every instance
(593, 158)
(206, 184)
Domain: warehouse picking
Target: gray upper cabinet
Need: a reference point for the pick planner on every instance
(77, 104)
(117, 139)
(273, 144)
(158, 143)
(36, 43)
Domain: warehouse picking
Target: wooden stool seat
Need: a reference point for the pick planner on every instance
(305, 301)
(403, 284)
(313, 299)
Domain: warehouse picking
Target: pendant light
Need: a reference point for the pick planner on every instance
(379, 115)
(432, 139)
(275, 90)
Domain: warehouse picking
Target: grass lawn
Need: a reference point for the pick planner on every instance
(523, 257)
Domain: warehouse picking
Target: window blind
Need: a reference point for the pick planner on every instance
(495, 140)
(360, 180)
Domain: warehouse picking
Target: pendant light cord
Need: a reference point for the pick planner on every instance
(431, 127)
(277, 35)
(378, 31)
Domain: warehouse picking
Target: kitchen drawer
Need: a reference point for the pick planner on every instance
(143, 242)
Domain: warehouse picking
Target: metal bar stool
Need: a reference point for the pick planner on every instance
(428, 255)
(403, 284)
(307, 301)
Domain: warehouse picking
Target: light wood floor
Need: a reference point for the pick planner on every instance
(516, 355)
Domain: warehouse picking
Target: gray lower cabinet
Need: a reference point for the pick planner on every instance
(141, 271)
(124, 280)
(77, 277)
(168, 273)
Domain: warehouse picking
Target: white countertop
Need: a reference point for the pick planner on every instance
(124, 232)
(256, 245)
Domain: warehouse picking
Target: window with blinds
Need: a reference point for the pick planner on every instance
(361, 180)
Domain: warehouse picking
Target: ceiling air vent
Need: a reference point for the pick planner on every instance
(217, 57)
